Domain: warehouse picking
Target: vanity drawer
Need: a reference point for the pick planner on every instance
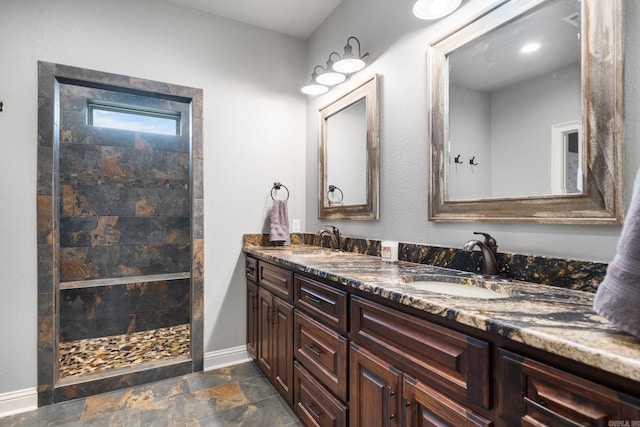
(322, 301)
(278, 280)
(452, 362)
(251, 269)
(322, 351)
(535, 394)
(314, 404)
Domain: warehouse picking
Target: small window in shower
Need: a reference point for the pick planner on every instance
(134, 118)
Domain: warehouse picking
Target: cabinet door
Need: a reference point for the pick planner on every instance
(374, 389)
(265, 327)
(422, 406)
(252, 319)
(283, 348)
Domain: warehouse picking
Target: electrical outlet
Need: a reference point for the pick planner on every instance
(295, 225)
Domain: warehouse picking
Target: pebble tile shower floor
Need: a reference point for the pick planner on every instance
(94, 355)
(235, 396)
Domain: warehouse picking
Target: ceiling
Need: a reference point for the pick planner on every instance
(493, 61)
(298, 18)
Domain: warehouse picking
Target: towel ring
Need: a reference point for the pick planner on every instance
(332, 190)
(277, 186)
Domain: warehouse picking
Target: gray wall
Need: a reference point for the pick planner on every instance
(522, 116)
(254, 128)
(397, 42)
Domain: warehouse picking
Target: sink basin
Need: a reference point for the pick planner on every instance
(448, 287)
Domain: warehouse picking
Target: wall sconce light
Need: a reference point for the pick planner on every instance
(330, 77)
(313, 88)
(434, 9)
(336, 71)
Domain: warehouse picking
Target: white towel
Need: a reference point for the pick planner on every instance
(618, 296)
(279, 230)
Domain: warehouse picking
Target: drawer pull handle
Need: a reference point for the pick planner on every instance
(387, 406)
(403, 411)
(315, 414)
(251, 270)
(315, 352)
(312, 299)
(541, 407)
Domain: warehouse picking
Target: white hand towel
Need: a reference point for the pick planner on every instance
(279, 230)
(618, 296)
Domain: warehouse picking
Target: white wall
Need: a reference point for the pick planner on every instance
(397, 42)
(254, 131)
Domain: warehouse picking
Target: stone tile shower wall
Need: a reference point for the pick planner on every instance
(120, 233)
(124, 211)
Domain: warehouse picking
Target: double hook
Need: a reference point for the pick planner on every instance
(472, 161)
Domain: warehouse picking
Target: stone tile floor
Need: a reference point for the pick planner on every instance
(235, 396)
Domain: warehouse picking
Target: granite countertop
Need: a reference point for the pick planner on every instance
(557, 320)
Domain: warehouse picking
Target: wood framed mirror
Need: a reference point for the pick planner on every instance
(349, 156)
(487, 162)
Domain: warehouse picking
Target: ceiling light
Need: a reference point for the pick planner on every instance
(349, 63)
(434, 9)
(530, 47)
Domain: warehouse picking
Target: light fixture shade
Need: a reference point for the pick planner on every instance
(434, 9)
(330, 78)
(314, 89)
(348, 65)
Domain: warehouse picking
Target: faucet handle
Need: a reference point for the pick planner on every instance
(333, 228)
(488, 240)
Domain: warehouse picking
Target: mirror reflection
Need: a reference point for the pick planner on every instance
(348, 155)
(515, 108)
(346, 150)
(488, 162)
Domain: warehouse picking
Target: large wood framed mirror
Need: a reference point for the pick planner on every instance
(349, 156)
(526, 115)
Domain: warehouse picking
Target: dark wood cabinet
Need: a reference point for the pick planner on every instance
(344, 358)
(535, 394)
(323, 352)
(314, 405)
(275, 342)
(374, 394)
(283, 348)
(448, 360)
(423, 406)
(252, 319)
(277, 280)
(265, 334)
(321, 301)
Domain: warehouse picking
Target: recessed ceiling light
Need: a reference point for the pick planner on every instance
(531, 47)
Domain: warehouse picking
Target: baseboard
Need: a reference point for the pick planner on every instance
(14, 402)
(225, 357)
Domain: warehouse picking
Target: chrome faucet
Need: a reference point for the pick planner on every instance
(334, 234)
(489, 250)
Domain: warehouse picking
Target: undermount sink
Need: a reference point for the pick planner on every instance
(446, 286)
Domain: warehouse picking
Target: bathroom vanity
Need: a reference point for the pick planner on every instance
(350, 339)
